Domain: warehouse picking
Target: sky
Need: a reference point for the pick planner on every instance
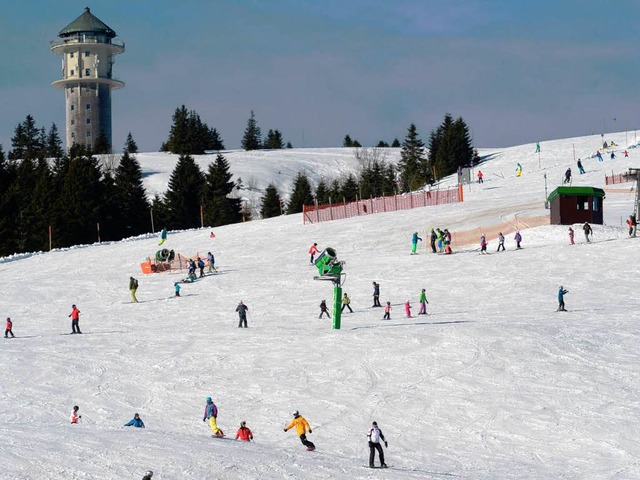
(517, 72)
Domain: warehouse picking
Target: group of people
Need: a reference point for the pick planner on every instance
(136, 421)
(484, 243)
(440, 239)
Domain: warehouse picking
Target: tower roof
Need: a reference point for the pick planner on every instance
(87, 23)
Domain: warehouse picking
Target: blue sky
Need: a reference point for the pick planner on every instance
(516, 71)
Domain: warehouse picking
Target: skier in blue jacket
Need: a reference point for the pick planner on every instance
(136, 421)
(414, 242)
(561, 293)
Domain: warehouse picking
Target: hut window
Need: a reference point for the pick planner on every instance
(595, 204)
(583, 203)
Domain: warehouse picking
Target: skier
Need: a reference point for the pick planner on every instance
(147, 475)
(626, 154)
(201, 267)
(387, 311)
(163, 236)
(177, 287)
(423, 302)
(407, 309)
(518, 170)
(345, 303)
(9, 329)
(324, 309)
(571, 233)
(500, 242)
(480, 175)
(244, 433)
(561, 293)
(599, 155)
(191, 270)
(440, 240)
(567, 176)
(74, 415)
(632, 225)
(587, 231)
(613, 156)
(580, 167)
(414, 242)
(374, 436)
(537, 147)
(483, 244)
(433, 238)
(242, 314)
(376, 294)
(75, 318)
(518, 239)
(133, 286)
(302, 426)
(312, 251)
(211, 414)
(212, 262)
(446, 237)
(136, 421)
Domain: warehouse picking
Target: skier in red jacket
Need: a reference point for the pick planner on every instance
(75, 318)
(244, 433)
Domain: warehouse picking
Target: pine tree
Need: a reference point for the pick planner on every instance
(9, 198)
(350, 188)
(347, 142)
(130, 145)
(214, 141)
(289, 145)
(101, 146)
(322, 193)
(110, 221)
(413, 163)
(132, 199)
(395, 143)
(219, 209)
(26, 141)
(271, 202)
(335, 191)
(177, 141)
(382, 144)
(40, 205)
(274, 140)
(301, 195)
(184, 194)
(54, 144)
(450, 146)
(252, 138)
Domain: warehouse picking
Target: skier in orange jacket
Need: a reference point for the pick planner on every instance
(244, 433)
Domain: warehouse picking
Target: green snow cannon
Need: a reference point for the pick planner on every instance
(162, 255)
(327, 263)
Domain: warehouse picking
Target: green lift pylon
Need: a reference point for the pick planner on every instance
(329, 268)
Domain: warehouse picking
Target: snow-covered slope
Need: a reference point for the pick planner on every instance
(492, 384)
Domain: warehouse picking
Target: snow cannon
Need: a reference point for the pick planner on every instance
(162, 255)
(328, 264)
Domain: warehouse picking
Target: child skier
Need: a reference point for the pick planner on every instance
(212, 262)
(75, 318)
(518, 170)
(345, 303)
(211, 414)
(374, 436)
(324, 309)
(500, 242)
(302, 426)
(571, 233)
(244, 433)
(136, 421)
(74, 415)
(414, 242)
(9, 329)
(407, 309)
(518, 239)
(133, 286)
(177, 287)
(480, 175)
(201, 267)
(242, 310)
(423, 303)
(312, 251)
(387, 311)
(587, 231)
(483, 243)
(561, 294)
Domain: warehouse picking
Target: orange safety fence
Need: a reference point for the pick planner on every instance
(470, 237)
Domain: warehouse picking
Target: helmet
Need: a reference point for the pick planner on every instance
(296, 413)
(209, 399)
(148, 474)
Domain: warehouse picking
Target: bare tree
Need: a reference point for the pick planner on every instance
(366, 156)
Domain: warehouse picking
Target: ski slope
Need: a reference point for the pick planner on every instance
(492, 384)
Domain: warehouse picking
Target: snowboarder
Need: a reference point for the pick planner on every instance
(500, 242)
(537, 147)
(483, 243)
(376, 294)
(133, 286)
(9, 329)
(312, 251)
(75, 318)
(244, 433)
(407, 309)
(587, 231)
(163, 236)
(74, 415)
(433, 238)
(518, 238)
(423, 302)
(177, 287)
(580, 167)
(302, 426)
(324, 309)
(571, 233)
(345, 303)
(212, 262)
(632, 223)
(387, 311)
(136, 421)
(561, 294)
(518, 170)
(414, 242)
(567, 176)
(201, 267)
(374, 436)
(242, 310)
(211, 414)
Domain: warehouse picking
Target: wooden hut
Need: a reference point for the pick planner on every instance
(571, 205)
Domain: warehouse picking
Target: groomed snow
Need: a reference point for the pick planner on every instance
(492, 384)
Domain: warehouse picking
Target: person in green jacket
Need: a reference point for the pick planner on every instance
(133, 286)
(423, 303)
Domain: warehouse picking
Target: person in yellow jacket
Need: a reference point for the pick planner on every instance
(302, 426)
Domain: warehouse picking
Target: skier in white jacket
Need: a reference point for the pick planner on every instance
(374, 436)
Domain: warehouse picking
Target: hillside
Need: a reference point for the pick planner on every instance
(492, 384)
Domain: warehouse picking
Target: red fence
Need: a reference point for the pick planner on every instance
(336, 211)
(618, 178)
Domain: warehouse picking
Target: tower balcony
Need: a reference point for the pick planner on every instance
(62, 45)
(71, 82)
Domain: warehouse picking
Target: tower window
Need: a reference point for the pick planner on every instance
(73, 122)
(71, 55)
(88, 121)
(72, 73)
(89, 134)
(87, 72)
(73, 107)
(73, 134)
(72, 88)
(87, 53)
(88, 106)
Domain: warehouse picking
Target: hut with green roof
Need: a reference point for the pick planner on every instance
(571, 205)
